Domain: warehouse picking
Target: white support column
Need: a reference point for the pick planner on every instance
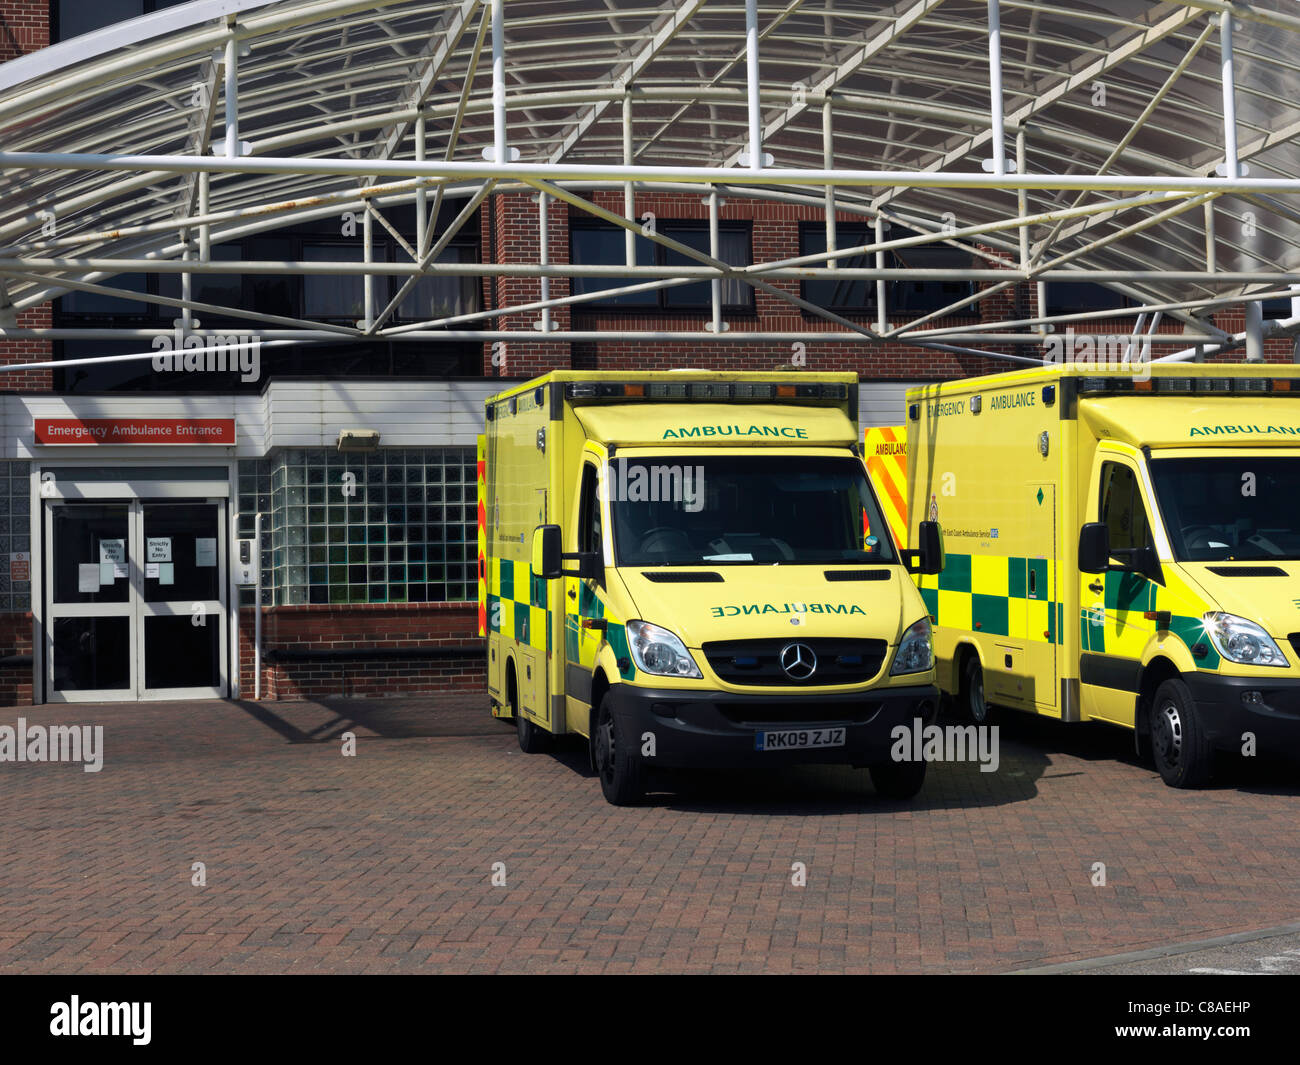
(205, 230)
(421, 194)
(1022, 197)
(828, 163)
(1231, 165)
(544, 258)
(187, 287)
(882, 309)
(500, 155)
(717, 325)
(1295, 313)
(232, 98)
(1255, 331)
(996, 112)
(1211, 253)
(751, 60)
(629, 196)
(368, 257)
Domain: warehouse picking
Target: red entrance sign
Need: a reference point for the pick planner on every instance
(135, 430)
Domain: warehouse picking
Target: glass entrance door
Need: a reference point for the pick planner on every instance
(136, 600)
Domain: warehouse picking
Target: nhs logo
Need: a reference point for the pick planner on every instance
(993, 534)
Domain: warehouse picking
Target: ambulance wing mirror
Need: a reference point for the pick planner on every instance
(929, 539)
(1094, 548)
(928, 556)
(547, 559)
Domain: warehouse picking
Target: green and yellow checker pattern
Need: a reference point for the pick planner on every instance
(582, 646)
(516, 603)
(1123, 629)
(995, 594)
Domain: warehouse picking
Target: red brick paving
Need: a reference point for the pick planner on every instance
(382, 862)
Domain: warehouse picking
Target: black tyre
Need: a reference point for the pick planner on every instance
(972, 704)
(898, 780)
(616, 757)
(532, 740)
(1182, 750)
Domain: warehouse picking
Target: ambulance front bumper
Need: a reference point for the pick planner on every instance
(718, 730)
(1233, 706)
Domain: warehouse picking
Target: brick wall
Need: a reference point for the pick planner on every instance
(15, 639)
(24, 27)
(510, 220)
(400, 626)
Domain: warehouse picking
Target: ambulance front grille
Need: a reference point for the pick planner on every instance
(758, 662)
(1295, 642)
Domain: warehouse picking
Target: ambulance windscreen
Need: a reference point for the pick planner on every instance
(1234, 508)
(681, 510)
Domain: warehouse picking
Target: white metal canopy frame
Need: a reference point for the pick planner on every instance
(1150, 147)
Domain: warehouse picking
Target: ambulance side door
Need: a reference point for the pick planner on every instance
(583, 599)
(1114, 604)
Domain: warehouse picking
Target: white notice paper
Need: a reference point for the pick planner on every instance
(166, 573)
(159, 549)
(88, 577)
(112, 560)
(151, 570)
(205, 551)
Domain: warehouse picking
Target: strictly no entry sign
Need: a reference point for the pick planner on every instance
(135, 430)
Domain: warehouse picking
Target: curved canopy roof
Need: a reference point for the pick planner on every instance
(1112, 110)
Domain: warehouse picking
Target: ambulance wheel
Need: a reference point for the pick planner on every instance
(532, 740)
(1182, 751)
(898, 780)
(973, 705)
(616, 757)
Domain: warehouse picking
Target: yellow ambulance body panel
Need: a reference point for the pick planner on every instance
(1187, 479)
(728, 594)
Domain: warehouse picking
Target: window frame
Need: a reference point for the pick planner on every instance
(893, 288)
(668, 227)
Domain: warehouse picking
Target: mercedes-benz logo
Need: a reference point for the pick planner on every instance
(798, 661)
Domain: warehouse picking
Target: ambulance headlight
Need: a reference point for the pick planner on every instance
(1242, 641)
(915, 651)
(658, 651)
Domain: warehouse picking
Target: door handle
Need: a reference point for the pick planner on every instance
(573, 595)
(1097, 586)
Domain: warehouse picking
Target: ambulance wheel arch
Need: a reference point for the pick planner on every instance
(533, 738)
(606, 667)
(1173, 661)
(966, 661)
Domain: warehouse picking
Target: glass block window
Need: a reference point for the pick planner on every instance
(395, 526)
(15, 533)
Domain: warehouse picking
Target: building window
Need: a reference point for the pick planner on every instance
(841, 296)
(15, 535)
(332, 298)
(904, 297)
(604, 245)
(407, 535)
(72, 18)
(1278, 308)
(1076, 297)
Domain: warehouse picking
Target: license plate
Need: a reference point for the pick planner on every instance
(798, 739)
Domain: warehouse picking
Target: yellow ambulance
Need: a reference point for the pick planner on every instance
(690, 569)
(1121, 547)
